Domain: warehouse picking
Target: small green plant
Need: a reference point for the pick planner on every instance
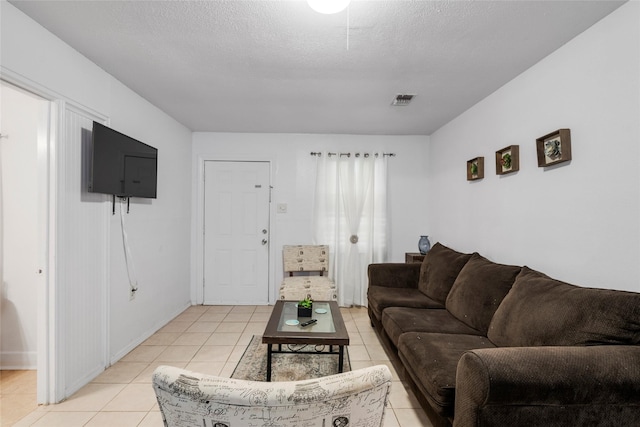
(506, 161)
(305, 303)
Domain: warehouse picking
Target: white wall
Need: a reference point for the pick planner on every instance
(293, 177)
(158, 229)
(578, 222)
(19, 227)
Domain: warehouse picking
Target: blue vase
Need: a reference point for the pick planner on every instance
(424, 245)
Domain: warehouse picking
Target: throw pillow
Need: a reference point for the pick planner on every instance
(478, 291)
(439, 270)
(542, 311)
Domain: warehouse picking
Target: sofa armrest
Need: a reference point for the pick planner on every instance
(394, 275)
(550, 386)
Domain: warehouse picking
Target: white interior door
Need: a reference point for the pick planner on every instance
(236, 232)
(24, 237)
(20, 219)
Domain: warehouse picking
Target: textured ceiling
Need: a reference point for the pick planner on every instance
(278, 66)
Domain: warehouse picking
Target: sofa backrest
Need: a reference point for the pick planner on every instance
(539, 310)
(439, 270)
(479, 289)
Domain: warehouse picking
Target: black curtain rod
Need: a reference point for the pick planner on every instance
(317, 153)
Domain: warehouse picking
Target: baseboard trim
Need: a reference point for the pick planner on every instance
(159, 325)
(18, 360)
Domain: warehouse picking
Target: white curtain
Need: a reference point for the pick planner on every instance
(350, 215)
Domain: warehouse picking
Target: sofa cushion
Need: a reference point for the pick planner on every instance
(398, 320)
(439, 270)
(542, 311)
(478, 291)
(381, 297)
(432, 359)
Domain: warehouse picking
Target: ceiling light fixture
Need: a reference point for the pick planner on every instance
(328, 6)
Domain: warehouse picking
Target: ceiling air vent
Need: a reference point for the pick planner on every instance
(402, 100)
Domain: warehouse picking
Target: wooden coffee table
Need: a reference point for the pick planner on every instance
(328, 330)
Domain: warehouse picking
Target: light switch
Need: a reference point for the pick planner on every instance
(282, 208)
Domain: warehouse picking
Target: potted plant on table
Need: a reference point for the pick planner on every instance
(304, 307)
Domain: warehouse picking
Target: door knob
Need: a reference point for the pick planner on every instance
(264, 241)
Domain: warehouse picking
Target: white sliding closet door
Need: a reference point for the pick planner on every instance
(82, 258)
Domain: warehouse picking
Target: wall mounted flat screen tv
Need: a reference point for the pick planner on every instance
(121, 165)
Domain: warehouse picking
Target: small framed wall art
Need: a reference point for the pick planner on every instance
(554, 148)
(475, 169)
(508, 160)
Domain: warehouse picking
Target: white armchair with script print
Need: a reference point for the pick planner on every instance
(306, 269)
(189, 399)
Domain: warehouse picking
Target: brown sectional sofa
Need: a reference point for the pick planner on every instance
(488, 344)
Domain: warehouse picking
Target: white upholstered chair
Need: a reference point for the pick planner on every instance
(305, 269)
(356, 398)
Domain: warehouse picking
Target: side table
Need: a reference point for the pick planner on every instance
(410, 257)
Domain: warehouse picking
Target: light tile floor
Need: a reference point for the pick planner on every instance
(17, 395)
(208, 339)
